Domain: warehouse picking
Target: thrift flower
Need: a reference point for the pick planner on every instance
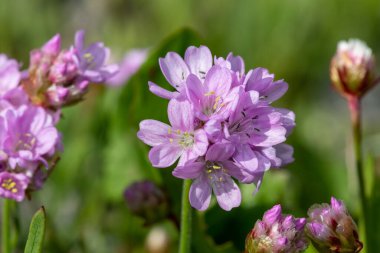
(60, 77)
(28, 135)
(13, 185)
(198, 62)
(229, 128)
(213, 173)
(277, 233)
(213, 97)
(128, 67)
(180, 140)
(262, 81)
(92, 60)
(9, 74)
(352, 69)
(331, 228)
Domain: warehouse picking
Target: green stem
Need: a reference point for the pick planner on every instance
(5, 235)
(185, 233)
(355, 109)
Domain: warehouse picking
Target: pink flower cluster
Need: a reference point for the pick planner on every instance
(30, 103)
(222, 125)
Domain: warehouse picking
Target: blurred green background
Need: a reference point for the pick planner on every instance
(293, 39)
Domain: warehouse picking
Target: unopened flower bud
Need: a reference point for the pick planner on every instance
(352, 69)
(332, 229)
(64, 68)
(57, 95)
(277, 233)
(147, 200)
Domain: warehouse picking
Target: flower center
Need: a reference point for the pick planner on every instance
(9, 185)
(88, 57)
(184, 139)
(26, 141)
(213, 103)
(216, 173)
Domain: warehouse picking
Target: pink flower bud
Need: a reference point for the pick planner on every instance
(64, 68)
(277, 233)
(352, 69)
(332, 229)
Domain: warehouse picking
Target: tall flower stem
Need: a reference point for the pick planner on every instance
(355, 110)
(185, 232)
(5, 233)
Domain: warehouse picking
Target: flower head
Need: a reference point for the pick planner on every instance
(223, 125)
(277, 233)
(29, 135)
(331, 228)
(60, 77)
(352, 69)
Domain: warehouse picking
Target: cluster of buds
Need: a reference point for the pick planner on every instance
(331, 228)
(146, 200)
(222, 125)
(30, 102)
(277, 233)
(352, 69)
(58, 78)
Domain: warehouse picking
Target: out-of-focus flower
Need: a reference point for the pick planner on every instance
(28, 142)
(352, 69)
(64, 68)
(158, 240)
(13, 185)
(331, 228)
(29, 135)
(9, 74)
(277, 233)
(128, 67)
(92, 60)
(146, 200)
(243, 135)
(58, 78)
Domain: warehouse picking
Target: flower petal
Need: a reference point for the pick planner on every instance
(218, 80)
(189, 170)
(237, 63)
(199, 60)
(164, 155)
(200, 142)
(181, 115)
(153, 132)
(200, 193)
(161, 92)
(220, 152)
(47, 138)
(174, 69)
(275, 91)
(227, 193)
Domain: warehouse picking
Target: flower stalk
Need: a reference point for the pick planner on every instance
(5, 230)
(354, 104)
(185, 232)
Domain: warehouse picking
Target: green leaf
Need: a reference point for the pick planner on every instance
(36, 232)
